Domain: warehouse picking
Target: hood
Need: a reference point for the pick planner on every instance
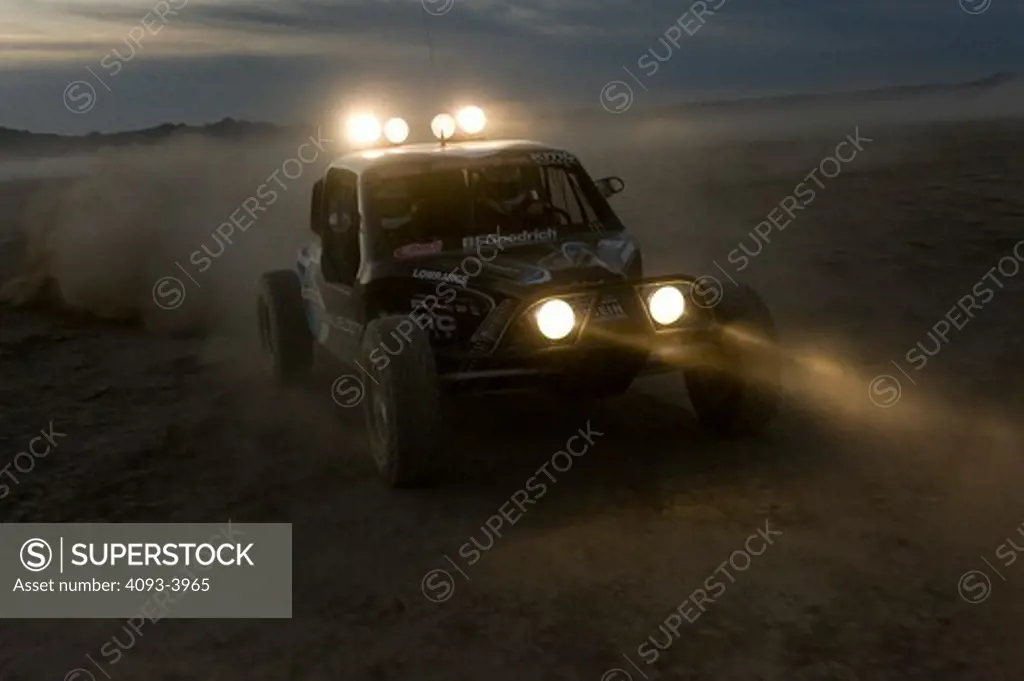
(586, 259)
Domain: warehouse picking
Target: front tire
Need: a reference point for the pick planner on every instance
(285, 339)
(403, 413)
(739, 393)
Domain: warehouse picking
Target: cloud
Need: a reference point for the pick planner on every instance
(527, 49)
(557, 26)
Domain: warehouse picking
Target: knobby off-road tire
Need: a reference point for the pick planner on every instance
(403, 412)
(739, 394)
(285, 339)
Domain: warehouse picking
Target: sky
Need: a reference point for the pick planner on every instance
(77, 66)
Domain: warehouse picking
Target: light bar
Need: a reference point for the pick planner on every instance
(365, 130)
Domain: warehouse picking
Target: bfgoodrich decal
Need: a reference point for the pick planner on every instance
(527, 236)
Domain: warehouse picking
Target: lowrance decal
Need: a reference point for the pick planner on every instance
(435, 275)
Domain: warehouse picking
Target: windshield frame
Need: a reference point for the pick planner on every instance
(379, 248)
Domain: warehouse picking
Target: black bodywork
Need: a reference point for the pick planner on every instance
(476, 303)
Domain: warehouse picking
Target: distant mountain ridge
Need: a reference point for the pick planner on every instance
(24, 141)
(27, 142)
(876, 94)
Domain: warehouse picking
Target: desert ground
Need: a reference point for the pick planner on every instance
(882, 484)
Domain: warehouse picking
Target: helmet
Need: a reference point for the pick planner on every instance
(505, 186)
(394, 205)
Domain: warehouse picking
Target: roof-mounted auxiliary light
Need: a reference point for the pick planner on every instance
(364, 130)
(443, 127)
(471, 119)
(396, 130)
(467, 123)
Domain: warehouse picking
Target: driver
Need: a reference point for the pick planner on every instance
(503, 189)
(395, 205)
(508, 195)
(422, 208)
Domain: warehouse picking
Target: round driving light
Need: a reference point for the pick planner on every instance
(666, 305)
(443, 126)
(471, 119)
(396, 131)
(555, 319)
(363, 129)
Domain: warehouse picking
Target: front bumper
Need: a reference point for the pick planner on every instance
(615, 336)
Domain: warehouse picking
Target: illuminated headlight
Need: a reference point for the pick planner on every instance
(396, 131)
(443, 126)
(555, 319)
(666, 305)
(471, 119)
(362, 130)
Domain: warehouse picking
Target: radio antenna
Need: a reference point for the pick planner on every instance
(430, 42)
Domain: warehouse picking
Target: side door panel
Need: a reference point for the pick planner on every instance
(338, 297)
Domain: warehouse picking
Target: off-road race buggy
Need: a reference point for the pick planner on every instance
(494, 266)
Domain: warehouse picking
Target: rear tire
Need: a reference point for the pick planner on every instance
(739, 394)
(285, 339)
(403, 414)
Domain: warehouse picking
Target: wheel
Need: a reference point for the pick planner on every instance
(403, 412)
(286, 341)
(739, 394)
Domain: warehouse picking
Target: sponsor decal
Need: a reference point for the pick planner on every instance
(467, 308)
(413, 250)
(490, 332)
(625, 247)
(329, 321)
(434, 275)
(503, 269)
(437, 320)
(578, 255)
(313, 295)
(573, 254)
(609, 308)
(627, 252)
(554, 158)
(527, 236)
(537, 276)
(349, 326)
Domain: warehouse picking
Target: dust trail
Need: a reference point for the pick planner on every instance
(97, 243)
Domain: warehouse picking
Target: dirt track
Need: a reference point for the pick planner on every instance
(880, 510)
